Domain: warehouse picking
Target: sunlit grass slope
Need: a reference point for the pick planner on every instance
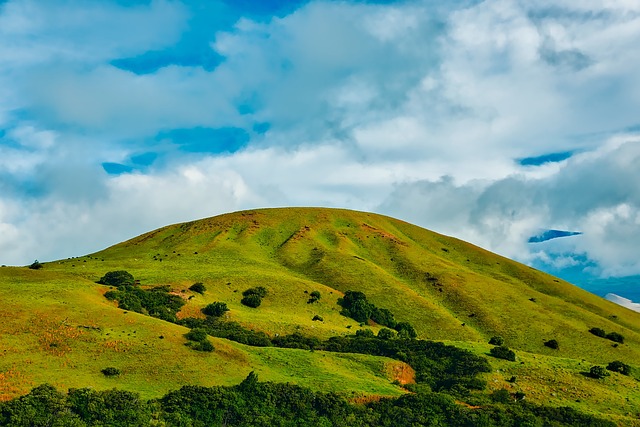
(448, 289)
(58, 328)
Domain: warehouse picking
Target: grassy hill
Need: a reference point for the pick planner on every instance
(57, 327)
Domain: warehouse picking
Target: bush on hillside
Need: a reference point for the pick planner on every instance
(616, 337)
(314, 296)
(503, 352)
(496, 340)
(259, 291)
(598, 372)
(198, 287)
(215, 309)
(252, 301)
(617, 366)
(598, 332)
(110, 371)
(196, 334)
(117, 279)
(386, 334)
(36, 265)
(406, 331)
(552, 344)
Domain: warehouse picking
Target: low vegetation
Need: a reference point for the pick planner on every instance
(269, 404)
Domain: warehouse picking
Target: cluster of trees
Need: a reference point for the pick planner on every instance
(156, 302)
(254, 403)
(355, 305)
(613, 336)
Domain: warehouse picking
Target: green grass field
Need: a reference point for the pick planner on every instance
(57, 327)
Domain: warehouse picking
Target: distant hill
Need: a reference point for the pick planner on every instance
(57, 327)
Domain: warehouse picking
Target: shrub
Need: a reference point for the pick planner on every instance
(365, 333)
(614, 336)
(406, 331)
(617, 366)
(198, 287)
(503, 352)
(552, 344)
(496, 340)
(110, 371)
(215, 309)
(318, 318)
(598, 372)
(386, 334)
(36, 265)
(314, 296)
(259, 291)
(196, 334)
(251, 300)
(204, 345)
(117, 279)
(598, 332)
(501, 396)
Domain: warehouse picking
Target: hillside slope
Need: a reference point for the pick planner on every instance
(57, 327)
(448, 289)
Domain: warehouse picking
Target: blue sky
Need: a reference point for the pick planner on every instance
(493, 121)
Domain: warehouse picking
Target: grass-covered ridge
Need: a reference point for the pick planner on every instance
(57, 326)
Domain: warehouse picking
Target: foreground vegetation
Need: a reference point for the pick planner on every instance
(252, 403)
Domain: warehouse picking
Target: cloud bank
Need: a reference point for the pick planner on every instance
(414, 109)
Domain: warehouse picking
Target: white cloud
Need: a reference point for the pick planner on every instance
(417, 110)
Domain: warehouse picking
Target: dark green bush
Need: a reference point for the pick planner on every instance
(552, 344)
(215, 309)
(386, 334)
(496, 340)
(251, 300)
(617, 366)
(198, 287)
(503, 352)
(598, 372)
(318, 318)
(36, 265)
(501, 396)
(204, 345)
(197, 334)
(117, 279)
(110, 371)
(259, 291)
(365, 333)
(614, 336)
(598, 332)
(406, 331)
(314, 296)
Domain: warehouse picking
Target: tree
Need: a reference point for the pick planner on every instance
(314, 296)
(36, 265)
(117, 278)
(215, 309)
(598, 372)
